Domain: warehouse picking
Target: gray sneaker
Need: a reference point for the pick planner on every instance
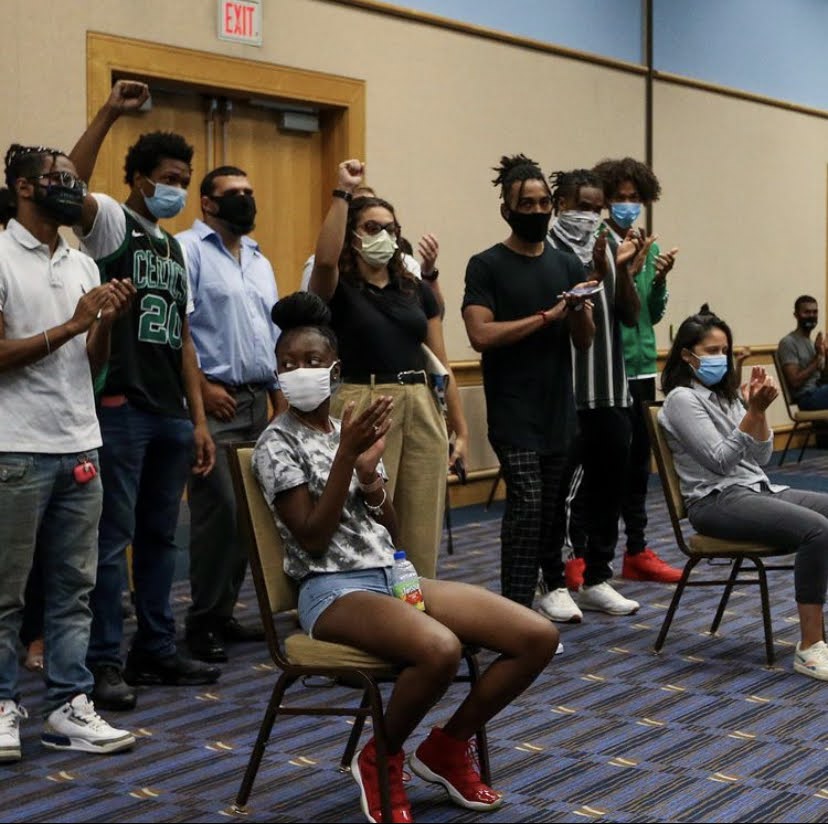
(10, 714)
(76, 726)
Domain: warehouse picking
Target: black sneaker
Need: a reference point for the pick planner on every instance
(231, 630)
(111, 692)
(172, 670)
(206, 645)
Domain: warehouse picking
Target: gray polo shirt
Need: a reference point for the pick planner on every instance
(710, 452)
(798, 349)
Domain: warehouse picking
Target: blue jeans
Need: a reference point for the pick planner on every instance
(43, 507)
(813, 400)
(145, 462)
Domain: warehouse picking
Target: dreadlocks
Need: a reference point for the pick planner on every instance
(568, 184)
(516, 168)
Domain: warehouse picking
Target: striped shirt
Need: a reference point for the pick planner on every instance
(598, 373)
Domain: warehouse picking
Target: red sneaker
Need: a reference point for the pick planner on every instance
(365, 773)
(647, 566)
(444, 760)
(574, 573)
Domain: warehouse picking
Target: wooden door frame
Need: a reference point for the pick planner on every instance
(342, 120)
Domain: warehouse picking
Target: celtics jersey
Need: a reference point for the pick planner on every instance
(146, 360)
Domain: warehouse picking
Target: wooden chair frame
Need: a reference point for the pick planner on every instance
(701, 547)
(298, 656)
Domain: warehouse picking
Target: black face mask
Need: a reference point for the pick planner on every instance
(63, 204)
(531, 227)
(807, 324)
(237, 211)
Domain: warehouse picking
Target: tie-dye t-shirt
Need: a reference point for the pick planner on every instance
(289, 454)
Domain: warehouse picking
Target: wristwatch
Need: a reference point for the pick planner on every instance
(343, 194)
(431, 276)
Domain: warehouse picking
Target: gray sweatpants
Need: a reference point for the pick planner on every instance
(793, 519)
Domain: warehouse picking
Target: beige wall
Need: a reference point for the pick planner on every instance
(745, 199)
(745, 185)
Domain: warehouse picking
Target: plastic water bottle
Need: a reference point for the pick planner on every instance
(405, 583)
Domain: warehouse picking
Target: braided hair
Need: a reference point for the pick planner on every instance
(516, 168)
(566, 185)
(27, 161)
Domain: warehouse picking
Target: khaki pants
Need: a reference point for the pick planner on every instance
(416, 462)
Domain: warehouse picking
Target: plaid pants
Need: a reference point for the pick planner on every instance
(532, 531)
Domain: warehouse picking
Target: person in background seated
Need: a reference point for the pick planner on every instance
(803, 360)
(719, 441)
(324, 481)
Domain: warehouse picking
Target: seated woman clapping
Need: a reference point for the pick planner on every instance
(719, 441)
(324, 481)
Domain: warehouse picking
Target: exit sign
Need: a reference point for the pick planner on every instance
(240, 21)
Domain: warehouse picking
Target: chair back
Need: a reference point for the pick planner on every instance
(783, 385)
(666, 471)
(273, 587)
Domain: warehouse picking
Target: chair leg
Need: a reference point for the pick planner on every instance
(731, 581)
(493, 489)
(787, 443)
(668, 618)
(261, 741)
(809, 429)
(356, 732)
(766, 618)
(481, 737)
(450, 546)
(381, 743)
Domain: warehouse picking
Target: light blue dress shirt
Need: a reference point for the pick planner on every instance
(230, 323)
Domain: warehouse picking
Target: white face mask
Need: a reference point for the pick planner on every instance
(308, 387)
(377, 249)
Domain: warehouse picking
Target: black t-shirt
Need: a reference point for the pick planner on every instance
(528, 384)
(146, 359)
(380, 330)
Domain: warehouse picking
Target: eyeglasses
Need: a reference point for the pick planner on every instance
(373, 227)
(66, 179)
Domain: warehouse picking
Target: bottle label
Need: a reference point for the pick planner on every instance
(410, 592)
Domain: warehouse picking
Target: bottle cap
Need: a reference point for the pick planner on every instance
(399, 555)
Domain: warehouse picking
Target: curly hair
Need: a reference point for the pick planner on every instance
(303, 310)
(150, 149)
(568, 184)
(516, 168)
(348, 267)
(615, 172)
(677, 372)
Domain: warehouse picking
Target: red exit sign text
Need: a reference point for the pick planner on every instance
(240, 21)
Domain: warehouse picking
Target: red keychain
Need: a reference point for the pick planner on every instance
(85, 471)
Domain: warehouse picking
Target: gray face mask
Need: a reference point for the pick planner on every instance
(577, 230)
(377, 249)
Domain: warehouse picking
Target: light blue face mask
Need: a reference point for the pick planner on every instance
(625, 214)
(712, 368)
(167, 201)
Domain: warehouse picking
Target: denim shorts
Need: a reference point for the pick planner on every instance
(317, 592)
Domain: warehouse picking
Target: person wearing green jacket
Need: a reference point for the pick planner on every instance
(629, 185)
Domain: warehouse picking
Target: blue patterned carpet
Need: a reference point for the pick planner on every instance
(610, 732)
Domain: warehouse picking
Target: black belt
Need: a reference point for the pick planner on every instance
(409, 376)
(241, 387)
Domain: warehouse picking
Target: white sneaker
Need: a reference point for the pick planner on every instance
(813, 661)
(557, 605)
(10, 714)
(603, 598)
(76, 726)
